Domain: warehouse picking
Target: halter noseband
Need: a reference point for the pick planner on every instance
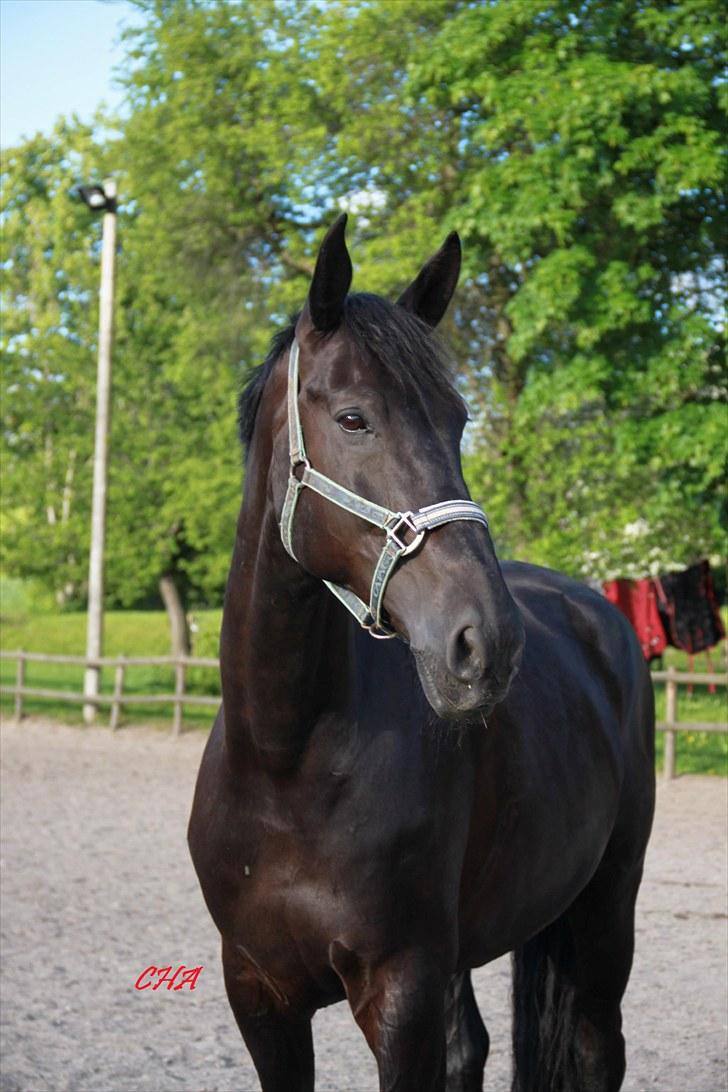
(394, 524)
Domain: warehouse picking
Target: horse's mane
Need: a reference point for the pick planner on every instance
(401, 343)
(252, 391)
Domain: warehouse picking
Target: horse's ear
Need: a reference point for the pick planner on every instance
(433, 287)
(331, 279)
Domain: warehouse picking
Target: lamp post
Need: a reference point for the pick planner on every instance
(100, 199)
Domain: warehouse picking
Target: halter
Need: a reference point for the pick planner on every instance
(394, 524)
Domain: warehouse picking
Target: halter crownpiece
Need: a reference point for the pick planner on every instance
(394, 524)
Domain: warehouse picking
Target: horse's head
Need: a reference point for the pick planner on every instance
(380, 417)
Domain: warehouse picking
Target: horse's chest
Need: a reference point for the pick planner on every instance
(288, 910)
(310, 881)
(359, 881)
(362, 858)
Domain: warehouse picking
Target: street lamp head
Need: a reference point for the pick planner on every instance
(97, 198)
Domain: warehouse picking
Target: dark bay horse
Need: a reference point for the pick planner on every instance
(374, 818)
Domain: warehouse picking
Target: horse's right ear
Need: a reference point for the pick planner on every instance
(331, 279)
(432, 289)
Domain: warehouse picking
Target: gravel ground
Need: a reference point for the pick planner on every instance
(97, 885)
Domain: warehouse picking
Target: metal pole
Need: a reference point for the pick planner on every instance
(94, 636)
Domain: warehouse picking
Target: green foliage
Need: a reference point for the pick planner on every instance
(590, 185)
(576, 149)
(47, 347)
(21, 598)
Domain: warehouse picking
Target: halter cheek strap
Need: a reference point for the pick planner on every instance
(396, 525)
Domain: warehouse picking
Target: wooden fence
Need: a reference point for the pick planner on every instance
(671, 726)
(117, 699)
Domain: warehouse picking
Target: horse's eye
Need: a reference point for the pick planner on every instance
(352, 422)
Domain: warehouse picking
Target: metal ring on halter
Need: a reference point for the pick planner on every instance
(301, 460)
(405, 519)
(383, 636)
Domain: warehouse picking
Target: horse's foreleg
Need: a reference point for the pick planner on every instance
(280, 1042)
(400, 1007)
(467, 1039)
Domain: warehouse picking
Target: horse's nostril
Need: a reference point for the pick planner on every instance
(466, 654)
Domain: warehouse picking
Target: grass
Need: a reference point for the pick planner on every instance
(146, 633)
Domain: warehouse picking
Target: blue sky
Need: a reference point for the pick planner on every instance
(56, 57)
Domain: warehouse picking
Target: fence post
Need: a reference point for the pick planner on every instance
(119, 671)
(19, 684)
(671, 719)
(179, 691)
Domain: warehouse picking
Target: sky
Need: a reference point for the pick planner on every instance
(56, 57)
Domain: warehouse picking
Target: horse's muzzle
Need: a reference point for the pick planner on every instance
(476, 687)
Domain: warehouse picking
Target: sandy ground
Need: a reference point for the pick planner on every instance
(97, 885)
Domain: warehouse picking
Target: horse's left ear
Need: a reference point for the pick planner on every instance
(432, 289)
(331, 279)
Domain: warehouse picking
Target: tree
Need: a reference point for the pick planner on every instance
(578, 151)
(48, 338)
(166, 508)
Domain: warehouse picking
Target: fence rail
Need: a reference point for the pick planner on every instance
(671, 726)
(117, 699)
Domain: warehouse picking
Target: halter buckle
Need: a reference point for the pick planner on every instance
(405, 520)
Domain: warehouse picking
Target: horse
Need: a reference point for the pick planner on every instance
(445, 760)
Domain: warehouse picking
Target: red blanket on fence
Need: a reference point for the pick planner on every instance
(637, 599)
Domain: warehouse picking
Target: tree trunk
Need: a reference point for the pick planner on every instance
(180, 633)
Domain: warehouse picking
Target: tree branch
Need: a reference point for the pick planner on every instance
(297, 264)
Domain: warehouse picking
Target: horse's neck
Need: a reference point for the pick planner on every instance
(282, 646)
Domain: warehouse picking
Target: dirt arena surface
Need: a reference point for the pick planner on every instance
(97, 885)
